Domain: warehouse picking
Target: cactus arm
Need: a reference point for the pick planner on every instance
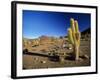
(72, 25)
(79, 38)
(76, 27)
(77, 32)
(70, 37)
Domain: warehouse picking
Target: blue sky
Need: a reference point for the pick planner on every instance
(38, 23)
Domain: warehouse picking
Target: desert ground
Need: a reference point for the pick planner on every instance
(50, 52)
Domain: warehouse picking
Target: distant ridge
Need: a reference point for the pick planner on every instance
(43, 37)
(86, 31)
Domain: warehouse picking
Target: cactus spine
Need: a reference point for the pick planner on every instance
(74, 37)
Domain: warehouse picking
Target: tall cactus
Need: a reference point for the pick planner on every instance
(74, 37)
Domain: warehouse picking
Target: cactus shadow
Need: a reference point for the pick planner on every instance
(70, 56)
(54, 58)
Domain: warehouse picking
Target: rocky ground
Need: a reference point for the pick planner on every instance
(53, 55)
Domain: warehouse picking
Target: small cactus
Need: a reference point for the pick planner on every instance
(74, 37)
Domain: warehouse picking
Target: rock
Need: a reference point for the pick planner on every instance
(62, 59)
(43, 62)
(70, 48)
(36, 58)
(25, 51)
(84, 56)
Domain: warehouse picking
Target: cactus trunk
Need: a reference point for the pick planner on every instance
(76, 51)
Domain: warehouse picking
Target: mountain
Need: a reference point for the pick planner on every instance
(86, 31)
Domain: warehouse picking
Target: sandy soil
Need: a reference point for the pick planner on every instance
(40, 56)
